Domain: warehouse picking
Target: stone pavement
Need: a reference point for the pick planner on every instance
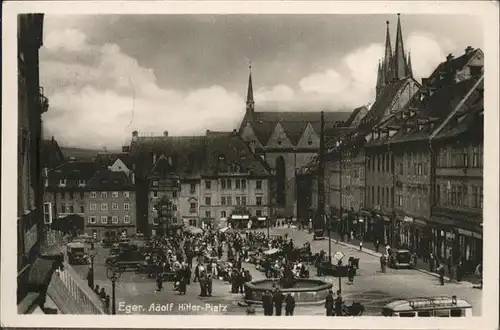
(422, 266)
(373, 288)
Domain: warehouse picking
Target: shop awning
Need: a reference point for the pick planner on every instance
(240, 217)
(262, 218)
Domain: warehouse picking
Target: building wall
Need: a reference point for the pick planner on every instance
(379, 179)
(219, 208)
(101, 204)
(163, 188)
(413, 178)
(293, 162)
(66, 203)
(31, 105)
(190, 194)
(353, 181)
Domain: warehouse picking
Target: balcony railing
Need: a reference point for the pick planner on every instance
(44, 101)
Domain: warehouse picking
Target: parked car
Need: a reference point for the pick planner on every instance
(400, 258)
(319, 233)
(76, 253)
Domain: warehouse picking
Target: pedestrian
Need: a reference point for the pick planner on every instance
(106, 302)
(90, 278)
(209, 284)
(459, 271)
(338, 304)
(267, 303)
(96, 289)
(383, 262)
(159, 282)
(289, 304)
(203, 285)
(329, 303)
(377, 245)
(278, 301)
(351, 271)
(441, 274)
(102, 294)
(431, 262)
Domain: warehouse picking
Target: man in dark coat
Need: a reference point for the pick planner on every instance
(329, 303)
(278, 301)
(159, 281)
(441, 274)
(267, 303)
(338, 303)
(209, 284)
(203, 285)
(289, 304)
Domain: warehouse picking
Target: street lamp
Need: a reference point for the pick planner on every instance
(329, 227)
(113, 273)
(92, 253)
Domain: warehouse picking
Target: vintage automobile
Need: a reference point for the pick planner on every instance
(400, 258)
(319, 233)
(330, 269)
(126, 258)
(76, 253)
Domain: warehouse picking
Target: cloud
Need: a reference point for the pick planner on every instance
(102, 99)
(100, 105)
(351, 83)
(70, 40)
(427, 51)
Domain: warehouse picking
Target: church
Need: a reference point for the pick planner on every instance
(287, 141)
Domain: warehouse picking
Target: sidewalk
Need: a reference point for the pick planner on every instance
(369, 248)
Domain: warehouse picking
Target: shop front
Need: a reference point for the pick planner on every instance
(470, 245)
(262, 222)
(239, 221)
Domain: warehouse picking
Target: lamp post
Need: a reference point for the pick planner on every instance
(92, 253)
(113, 273)
(329, 228)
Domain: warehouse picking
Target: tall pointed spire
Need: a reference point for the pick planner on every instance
(409, 69)
(387, 55)
(399, 54)
(250, 101)
(380, 78)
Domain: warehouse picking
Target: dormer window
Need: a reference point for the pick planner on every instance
(392, 132)
(309, 141)
(81, 183)
(221, 157)
(279, 141)
(62, 183)
(412, 113)
(403, 115)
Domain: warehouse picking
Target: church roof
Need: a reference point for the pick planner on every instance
(293, 123)
(163, 168)
(72, 172)
(51, 154)
(382, 103)
(353, 116)
(105, 159)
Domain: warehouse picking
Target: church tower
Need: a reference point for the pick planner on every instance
(399, 61)
(250, 102)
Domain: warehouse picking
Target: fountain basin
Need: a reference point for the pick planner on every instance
(305, 291)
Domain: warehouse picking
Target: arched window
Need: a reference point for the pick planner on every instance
(280, 181)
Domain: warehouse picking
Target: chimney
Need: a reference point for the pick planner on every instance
(235, 132)
(165, 133)
(135, 135)
(132, 177)
(125, 148)
(468, 50)
(449, 57)
(207, 132)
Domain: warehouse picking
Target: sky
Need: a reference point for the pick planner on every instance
(108, 75)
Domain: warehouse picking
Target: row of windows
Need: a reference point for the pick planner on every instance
(114, 194)
(228, 200)
(380, 163)
(114, 206)
(72, 208)
(460, 157)
(107, 219)
(415, 199)
(223, 214)
(104, 194)
(64, 182)
(413, 168)
(460, 195)
(383, 196)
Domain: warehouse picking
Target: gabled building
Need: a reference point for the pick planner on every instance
(286, 141)
(220, 178)
(427, 215)
(51, 154)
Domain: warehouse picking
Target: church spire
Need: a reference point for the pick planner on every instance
(380, 78)
(399, 61)
(409, 69)
(250, 101)
(387, 55)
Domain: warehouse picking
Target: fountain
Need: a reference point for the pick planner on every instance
(306, 291)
